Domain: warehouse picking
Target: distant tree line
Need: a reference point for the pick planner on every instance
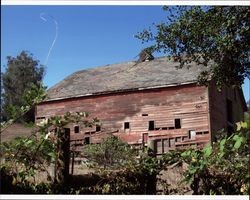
(21, 74)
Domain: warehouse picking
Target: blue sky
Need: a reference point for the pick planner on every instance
(88, 36)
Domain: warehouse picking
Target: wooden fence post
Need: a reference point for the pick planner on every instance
(63, 160)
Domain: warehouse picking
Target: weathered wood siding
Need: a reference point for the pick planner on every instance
(189, 103)
(219, 108)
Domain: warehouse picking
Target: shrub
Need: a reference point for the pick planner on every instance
(221, 168)
(111, 153)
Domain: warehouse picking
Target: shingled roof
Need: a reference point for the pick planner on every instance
(160, 72)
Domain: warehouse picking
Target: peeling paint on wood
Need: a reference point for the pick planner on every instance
(189, 103)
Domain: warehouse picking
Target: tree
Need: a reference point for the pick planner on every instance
(214, 35)
(22, 74)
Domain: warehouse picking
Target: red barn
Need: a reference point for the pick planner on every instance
(145, 102)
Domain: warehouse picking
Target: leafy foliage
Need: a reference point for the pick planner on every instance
(111, 153)
(24, 157)
(22, 74)
(133, 178)
(219, 169)
(218, 36)
(31, 97)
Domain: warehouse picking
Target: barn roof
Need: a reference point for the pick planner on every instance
(160, 72)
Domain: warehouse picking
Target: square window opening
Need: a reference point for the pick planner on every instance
(177, 123)
(86, 140)
(151, 125)
(76, 129)
(126, 125)
(98, 128)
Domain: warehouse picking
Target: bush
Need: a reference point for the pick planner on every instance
(111, 153)
(221, 168)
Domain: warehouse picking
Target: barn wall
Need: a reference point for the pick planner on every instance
(219, 108)
(189, 103)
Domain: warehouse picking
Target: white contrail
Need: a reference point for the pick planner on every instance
(54, 41)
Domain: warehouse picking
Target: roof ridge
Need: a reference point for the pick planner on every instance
(117, 63)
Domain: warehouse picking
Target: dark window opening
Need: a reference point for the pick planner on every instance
(151, 125)
(229, 111)
(77, 144)
(86, 140)
(177, 123)
(76, 129)
(98, 128)
(126, 125)
(40, 118)
(144, 114)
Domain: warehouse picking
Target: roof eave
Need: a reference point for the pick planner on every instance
(120, 91)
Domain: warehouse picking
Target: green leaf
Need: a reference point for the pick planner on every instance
(238, 143)
(28, 142)
(192, 170)
(221, 155)
(207, 151)
(241, 125)
(222, 145)
(186, 153)
(235, 137)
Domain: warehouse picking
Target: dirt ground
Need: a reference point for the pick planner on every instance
(169, 181)
(15, 130)
(80, 169)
